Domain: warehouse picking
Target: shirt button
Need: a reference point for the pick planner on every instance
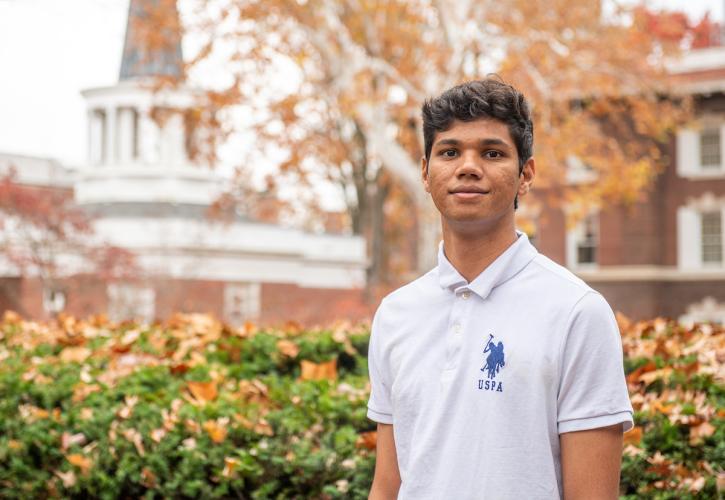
(465, 294)
(457, 328)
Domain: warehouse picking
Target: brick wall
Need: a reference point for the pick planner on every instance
(643, 300)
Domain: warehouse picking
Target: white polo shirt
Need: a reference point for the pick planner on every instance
(479, 379)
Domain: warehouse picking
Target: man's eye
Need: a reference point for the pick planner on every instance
(449, 153)
(492, 154)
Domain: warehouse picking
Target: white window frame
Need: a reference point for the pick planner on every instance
(689, 232)
(54, 300)
(689, 164)
(574, 236)
(242, 302)
(578, 172)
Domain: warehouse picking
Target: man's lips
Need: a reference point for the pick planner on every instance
(466, 193)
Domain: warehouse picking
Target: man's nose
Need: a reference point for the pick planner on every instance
(471, 165)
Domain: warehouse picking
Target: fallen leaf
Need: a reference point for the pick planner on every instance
(130, 337)
(179, 368)
(720, 482)
(68, 478)
(633, 378)
(158, 434)
(11, 317)
(82, 390)
(367, 440)
(74, 354)
(135, 437)
(318, 371)
(192, 426)
(67, 440)
(148, 478)
(697, 484)
(217, 432)
(202, 391)
(699, 432)
(253, 391)
(230, 464)
(288, 348)
(83, 463)
(633, 437)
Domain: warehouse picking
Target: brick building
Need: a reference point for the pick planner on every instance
(664, 255)
(149, 197)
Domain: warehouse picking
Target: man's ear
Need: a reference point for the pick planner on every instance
(527, 176)
(424, 173)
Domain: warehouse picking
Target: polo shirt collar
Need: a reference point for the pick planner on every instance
(505, 267)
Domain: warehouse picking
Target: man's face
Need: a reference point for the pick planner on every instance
(473, 174)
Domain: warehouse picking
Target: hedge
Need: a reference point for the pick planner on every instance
(193, 408)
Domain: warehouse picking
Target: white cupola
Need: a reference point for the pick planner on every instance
(137, 132)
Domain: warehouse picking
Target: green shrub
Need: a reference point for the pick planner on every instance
(195, 409)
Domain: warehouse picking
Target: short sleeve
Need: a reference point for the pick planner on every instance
(379, 406)
(592, 387)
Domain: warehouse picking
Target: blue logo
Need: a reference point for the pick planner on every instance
(494, 362)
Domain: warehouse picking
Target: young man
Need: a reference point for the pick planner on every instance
(499, 373)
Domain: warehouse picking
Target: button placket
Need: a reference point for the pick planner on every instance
(455, 336)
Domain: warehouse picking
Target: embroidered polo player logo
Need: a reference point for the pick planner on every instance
(495, 360)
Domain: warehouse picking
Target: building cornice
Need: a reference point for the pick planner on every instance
(650, 273)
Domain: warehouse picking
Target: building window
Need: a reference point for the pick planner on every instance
(131, 302)
(242, 302)
(711, 229)
(587, 241)
(53, 300)
(710, 148)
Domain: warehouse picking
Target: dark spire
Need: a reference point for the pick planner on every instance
(153, 40)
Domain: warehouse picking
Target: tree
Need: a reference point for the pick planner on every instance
(360, 70)
(45, 235)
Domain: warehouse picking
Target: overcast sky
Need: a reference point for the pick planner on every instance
(50, 50)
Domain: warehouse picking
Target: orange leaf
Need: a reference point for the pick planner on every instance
(148, 478)
(74, 354)
(634, 436)
(367, 440)
(253, 391)
(697, 433)
(216, 432)
(229, 465)
(263, 427)
(288, 348)
(665, 409)
(11, 317)
(202, 391)
(179, 368)
(83, 463)
(321, 371)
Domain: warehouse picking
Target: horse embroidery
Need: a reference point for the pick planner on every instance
(495, 360)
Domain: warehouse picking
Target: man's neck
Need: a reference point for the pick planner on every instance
(471, 252)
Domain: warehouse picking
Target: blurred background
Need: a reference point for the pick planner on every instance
(260, 160)
(193, 194)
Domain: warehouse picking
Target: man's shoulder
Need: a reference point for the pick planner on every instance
(556, 278)
(413, 292)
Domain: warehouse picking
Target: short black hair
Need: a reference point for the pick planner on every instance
(488, 98)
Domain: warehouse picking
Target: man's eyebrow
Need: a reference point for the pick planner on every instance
(493, 142)
(448, 142)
